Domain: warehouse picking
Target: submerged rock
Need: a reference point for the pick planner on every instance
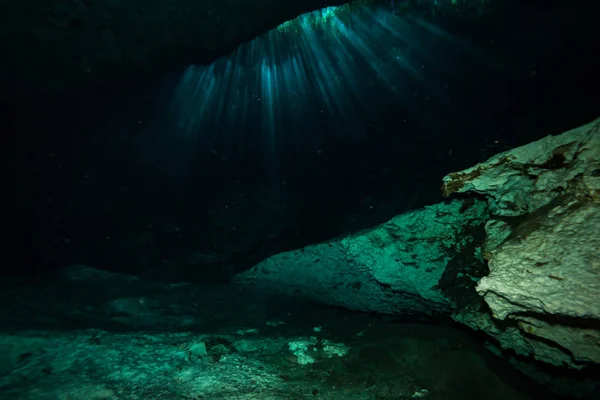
(544, 281)
(522, 180)
(537, 229)
(394, 268)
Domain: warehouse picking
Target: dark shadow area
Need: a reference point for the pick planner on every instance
(100, 178)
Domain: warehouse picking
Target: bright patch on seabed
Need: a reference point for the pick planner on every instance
(288, 87)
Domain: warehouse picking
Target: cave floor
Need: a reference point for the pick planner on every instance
(96, 335)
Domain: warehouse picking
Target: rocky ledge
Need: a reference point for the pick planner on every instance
(514, 254)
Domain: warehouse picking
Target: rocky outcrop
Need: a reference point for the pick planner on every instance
(533, 220)
(522, 180)
(542, 247)
(395, 268)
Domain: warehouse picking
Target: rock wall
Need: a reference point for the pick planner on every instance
(542, 247)
(543, 251)
(394, 268)
(531, 215)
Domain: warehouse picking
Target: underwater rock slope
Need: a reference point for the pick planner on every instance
(66, 44)
(516, 255)
(394, 268)
(542, 246)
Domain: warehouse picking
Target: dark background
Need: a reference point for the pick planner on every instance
(102, 177)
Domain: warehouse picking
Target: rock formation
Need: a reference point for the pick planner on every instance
(517, 256)
(542, 248)
(394, 268)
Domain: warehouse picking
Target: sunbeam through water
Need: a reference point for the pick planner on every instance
(314, 74)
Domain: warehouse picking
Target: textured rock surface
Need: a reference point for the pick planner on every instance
(522, 180)
(394, 268)
(553, 269)
(541, 241)
(543, 289)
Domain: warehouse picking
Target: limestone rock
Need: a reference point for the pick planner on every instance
(497, 231)
(541, 239)
(554, 269)
(522, 180)
(393, 268)
(543, 289)
(542, 341)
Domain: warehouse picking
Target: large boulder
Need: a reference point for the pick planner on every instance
(393, 268)
(543, 290)
(516, 256)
